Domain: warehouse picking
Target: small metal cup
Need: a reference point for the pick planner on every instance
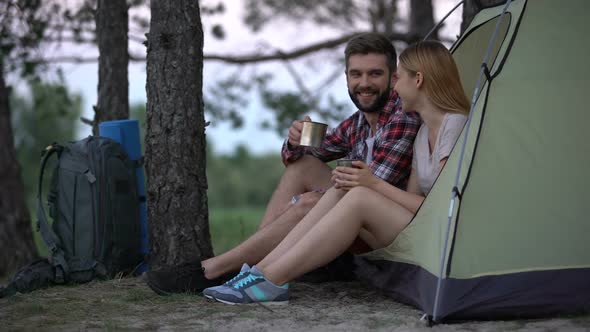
(345, 162)
(313, 134)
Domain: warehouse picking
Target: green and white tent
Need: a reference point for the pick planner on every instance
(515, 242)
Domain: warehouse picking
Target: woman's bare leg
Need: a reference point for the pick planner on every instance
(327, 202)
(361, 208)
(261, 243)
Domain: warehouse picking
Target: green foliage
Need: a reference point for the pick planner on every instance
(241, 179)
(138, 112)
(289, 106)
(228, 226)
(48, 114)
(313, 66)
(217, 30)
(312, 71)
(339, 13)
(23, 27)
(233, 179)
(209, 10)
(231, 226)
(226, 98)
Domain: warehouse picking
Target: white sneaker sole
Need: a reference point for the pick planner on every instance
(273, 303)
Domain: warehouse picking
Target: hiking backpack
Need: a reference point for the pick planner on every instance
(94, 204)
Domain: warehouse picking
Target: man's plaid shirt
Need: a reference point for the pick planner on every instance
(392, 150)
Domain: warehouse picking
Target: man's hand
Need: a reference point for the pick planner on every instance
(295, 131)
(347, 178)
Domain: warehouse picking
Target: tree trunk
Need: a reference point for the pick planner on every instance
(17, 247)
(112, 21)
(175, 139)
(422, 19)
(382, 15)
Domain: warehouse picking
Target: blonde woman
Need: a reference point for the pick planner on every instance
(428, 82)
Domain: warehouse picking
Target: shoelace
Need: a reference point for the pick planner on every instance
(246, 281)
(232, 280)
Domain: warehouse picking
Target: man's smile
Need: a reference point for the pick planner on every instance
(366, 96)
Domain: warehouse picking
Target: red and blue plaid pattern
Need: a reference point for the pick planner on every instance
(392, 149)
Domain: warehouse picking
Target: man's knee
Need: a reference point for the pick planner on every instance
(297, 208)
(306, 174)
(305, 165)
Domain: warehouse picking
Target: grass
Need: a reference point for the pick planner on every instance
(30, 309)
(136, 295)
(228, 227)
(231, 226)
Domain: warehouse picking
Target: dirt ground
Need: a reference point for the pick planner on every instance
(127, 305)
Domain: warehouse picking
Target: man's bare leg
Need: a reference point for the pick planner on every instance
(251, 251)
(304, 175)
(262, 242)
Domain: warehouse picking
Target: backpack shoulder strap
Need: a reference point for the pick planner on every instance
(48, 235)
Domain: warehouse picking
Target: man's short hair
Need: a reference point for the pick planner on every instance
(371, 42)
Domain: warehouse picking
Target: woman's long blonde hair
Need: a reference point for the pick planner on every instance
(442, 83)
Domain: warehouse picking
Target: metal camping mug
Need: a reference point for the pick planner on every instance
(345, 162)
(313, 133)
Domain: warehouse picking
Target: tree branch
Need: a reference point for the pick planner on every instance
(246, 59)
(280, 55)
(86, 121)
(69, 39)
(310, 99)
(80, 59)
(328, 81)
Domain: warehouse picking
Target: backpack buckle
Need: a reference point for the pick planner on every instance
(52, 146)
(91, 178)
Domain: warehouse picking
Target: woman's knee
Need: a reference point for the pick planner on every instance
(358, 199)
(359, 193)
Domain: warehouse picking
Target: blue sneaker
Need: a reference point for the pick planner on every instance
(208, 292)
(253, 288)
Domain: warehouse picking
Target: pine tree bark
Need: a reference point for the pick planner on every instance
(112, 21)
(17, 247)
(175, 139)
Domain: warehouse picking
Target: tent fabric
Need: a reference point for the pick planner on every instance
(516, 295)
(521, 219)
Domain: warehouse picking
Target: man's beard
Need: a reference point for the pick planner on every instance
(376, 106)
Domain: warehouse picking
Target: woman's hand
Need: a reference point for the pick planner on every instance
(347, 178)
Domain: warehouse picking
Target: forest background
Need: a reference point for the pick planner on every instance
(249, 102)
(264, 63)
